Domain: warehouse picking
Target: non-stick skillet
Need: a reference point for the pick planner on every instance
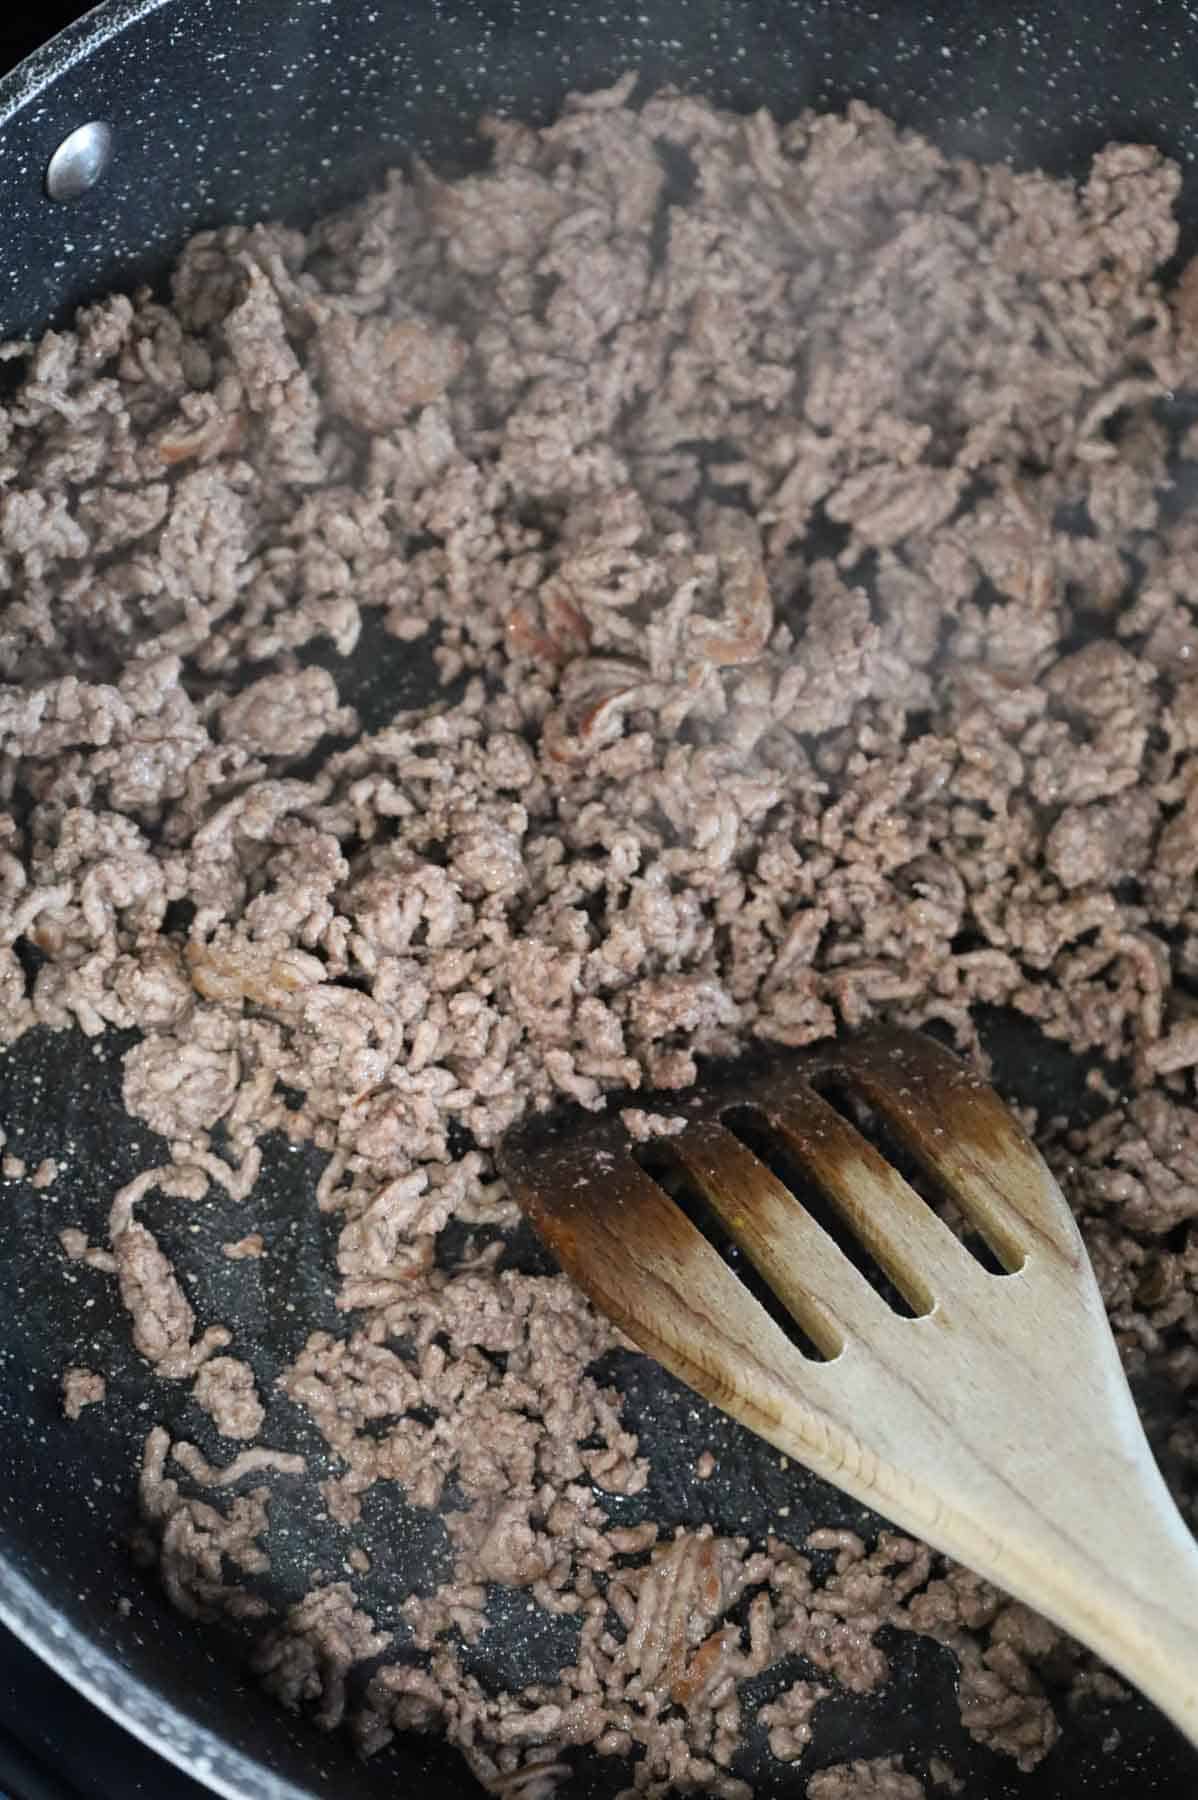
(234, 109)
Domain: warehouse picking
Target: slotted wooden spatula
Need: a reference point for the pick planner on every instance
(997, 1424)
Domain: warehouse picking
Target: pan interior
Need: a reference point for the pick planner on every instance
(288, 143)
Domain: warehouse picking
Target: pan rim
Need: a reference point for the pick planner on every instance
(72, 44)
(123, 1697)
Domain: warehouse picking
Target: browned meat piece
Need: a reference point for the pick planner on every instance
(80, 1388)
(226, 1390)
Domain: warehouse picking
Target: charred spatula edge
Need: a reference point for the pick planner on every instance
(997, 1424)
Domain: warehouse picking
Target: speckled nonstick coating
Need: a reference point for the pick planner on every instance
(222, 112)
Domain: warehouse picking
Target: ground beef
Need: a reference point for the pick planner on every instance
(226, 1390)
(76, 1248)
(797, 518)
(180, 1086)
(311, 1655)
(80, 1388)
(247, 1462)
(643, 1126)
(883, 1779)
(1001, 1647)
(246, 1249)
(160, 1314)
(789, 1718)
(942, 1775)
(190, 1540)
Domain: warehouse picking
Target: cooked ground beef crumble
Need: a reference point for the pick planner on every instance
(806, 549)
(80, 1388)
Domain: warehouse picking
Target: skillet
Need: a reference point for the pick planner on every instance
(224, 112)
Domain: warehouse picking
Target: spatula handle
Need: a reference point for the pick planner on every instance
(1142, 1617)
(1152, 1637)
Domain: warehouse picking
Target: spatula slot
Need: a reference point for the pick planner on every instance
(665, 1169)
(852, 1106)
(753, 1130)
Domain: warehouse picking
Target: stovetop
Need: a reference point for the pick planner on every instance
(54, 1745)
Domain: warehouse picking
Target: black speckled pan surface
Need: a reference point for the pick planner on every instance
(232, 109)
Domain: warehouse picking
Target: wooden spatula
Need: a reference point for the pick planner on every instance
(997, 1424)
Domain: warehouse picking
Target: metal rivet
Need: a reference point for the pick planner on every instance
(79, 161)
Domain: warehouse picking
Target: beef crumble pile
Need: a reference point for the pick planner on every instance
(801, 520)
